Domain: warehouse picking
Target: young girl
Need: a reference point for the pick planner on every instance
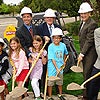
(17, 54)
(37, 70)
(4, 65)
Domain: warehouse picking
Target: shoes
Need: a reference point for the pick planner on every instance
(38, 98)
(42, 95)
(50, 98)
(61, 97)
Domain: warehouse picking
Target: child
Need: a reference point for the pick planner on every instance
(37, 70)
(19, 58)
(4, 65)
(56, 54)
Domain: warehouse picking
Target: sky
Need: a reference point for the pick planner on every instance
(12, 1)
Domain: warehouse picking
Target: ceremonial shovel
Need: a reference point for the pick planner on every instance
(52, 78)
(75, 86)
(77, 68)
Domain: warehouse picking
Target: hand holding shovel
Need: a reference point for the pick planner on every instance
(52, 78)
(75, 86)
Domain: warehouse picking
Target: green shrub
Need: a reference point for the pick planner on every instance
(73, 28)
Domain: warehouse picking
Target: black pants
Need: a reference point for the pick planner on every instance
(93, 86)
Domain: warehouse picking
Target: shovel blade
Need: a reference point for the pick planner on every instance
(19, 91)
(2, 88)
(76, 69)
(74, 86)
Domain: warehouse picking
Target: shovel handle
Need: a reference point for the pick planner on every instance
(33, 64)
(78, 62)
(14, 73)
(91, 78)
(45, 89)
(63, 66)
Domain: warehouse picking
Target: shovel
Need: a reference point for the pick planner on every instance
(53, 78)
(75, 86)
(14, 73)
(33, 64)
(77, 68)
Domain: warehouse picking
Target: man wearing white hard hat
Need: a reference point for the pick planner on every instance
(57, 52)
(87, 54)
(26, 32)
(45, 31)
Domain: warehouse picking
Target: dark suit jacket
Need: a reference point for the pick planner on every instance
(25, 37)
(87, 46)
(42, 30)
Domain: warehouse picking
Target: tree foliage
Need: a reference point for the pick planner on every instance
(1, 1)
(4, 9)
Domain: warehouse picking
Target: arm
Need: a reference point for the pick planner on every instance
(5, 65)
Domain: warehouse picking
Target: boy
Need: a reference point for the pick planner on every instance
(56, 54)
(4, 65)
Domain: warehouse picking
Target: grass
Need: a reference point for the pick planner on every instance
(68, 77)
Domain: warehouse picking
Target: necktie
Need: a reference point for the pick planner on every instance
(31, 31)
(50, 29)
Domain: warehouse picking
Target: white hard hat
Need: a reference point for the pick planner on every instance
(56, 31)
(85, 7)
(26, 10)
(2, 41)
(49, 13)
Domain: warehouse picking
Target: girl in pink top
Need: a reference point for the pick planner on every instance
(37, 70)
(17, 54)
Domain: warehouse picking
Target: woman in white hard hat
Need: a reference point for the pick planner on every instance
(45, 31)
(26, 32)
(87, 54)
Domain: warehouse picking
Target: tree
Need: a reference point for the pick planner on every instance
(4, 9)
(1, 1)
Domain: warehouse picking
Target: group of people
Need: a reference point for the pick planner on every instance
(28, 42)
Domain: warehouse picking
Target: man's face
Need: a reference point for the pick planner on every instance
(27, 18)
(85, 16)
(49, 20)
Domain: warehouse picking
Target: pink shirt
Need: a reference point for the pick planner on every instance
(21, 62)
(38, 68)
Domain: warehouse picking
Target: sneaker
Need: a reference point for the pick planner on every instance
(50, 98)
(38, 98)
(61, 97)
(42, 95)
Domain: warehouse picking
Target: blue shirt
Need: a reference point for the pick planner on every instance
(56, 53)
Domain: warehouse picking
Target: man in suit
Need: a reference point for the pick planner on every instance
(94, 85)
(88, 53)
(45, 31)
(26, 32)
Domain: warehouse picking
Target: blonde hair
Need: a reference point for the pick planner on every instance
(18, 48)
(39, 39)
